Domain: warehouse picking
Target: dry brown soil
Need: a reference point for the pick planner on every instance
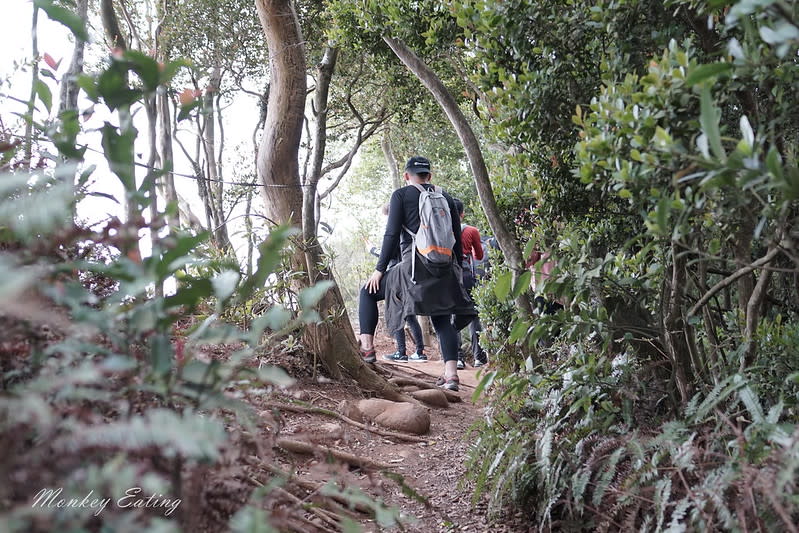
(435, 468)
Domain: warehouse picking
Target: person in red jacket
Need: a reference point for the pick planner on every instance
(472, 251)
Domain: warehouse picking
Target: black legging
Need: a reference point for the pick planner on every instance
(367, 318)
(416, 333)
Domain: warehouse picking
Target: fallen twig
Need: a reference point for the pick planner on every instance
(315, 510)
(324, 514)
(307, 448)
(312, 486)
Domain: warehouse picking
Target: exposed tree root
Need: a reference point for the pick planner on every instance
(403, 381)
(307, 448)
(321, 411)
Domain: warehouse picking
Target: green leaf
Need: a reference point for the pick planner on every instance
(146, 67)
(185, 110)
(518, 331)
(225, 284)
(274, 375)
(662, 139)
(275, 319)
(310, 296)
(189, 293)
(502, 285)
(752, 404)
(89, 86)
(44, 94)
(268, 260)
(485, 382)
(176, 256)
(29, 210)
(522, 283)
(65, 138)
(782, 32)
(528, 248)
(170, 69)
(118, 149)
(774, 163)
(704, 72)
(709, 119)
(65, 17)
(161, 354)
(112, 85)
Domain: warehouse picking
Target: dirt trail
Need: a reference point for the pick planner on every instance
(435, 468)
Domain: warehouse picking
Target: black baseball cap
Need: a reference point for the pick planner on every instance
(418, 165)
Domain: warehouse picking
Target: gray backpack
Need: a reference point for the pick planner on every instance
(435, 240)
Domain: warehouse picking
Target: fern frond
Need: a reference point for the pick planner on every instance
(608, 474)
(662, 495)
(719, 393)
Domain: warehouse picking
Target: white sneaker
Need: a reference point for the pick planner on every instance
(417, 357)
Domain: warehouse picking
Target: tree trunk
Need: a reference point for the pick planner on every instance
(117, 40)
(151, 107)
(428, 331)
(166, 154)
(278, 169)
(507, 242)
(214, 186)
(743, 256)
(674, 327)
(391, 159)
(68, 97)
(28, 146)
(248, 230)
(166, 182)
(277, 163)
(309, 205)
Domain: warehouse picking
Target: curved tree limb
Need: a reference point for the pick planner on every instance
(507, 242)
(729, 280)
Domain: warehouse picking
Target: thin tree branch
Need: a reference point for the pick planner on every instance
(726, 282)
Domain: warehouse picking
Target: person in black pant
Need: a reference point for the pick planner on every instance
(412, 288)
(472, 251)
(401, 355)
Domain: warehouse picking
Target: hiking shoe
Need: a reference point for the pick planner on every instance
(480, 361)
(368, 356)
(417, 357)
(451, 383)
(461, 364)
(396, 357)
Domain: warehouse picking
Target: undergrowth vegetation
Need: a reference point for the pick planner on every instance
(123, 377)
(663, 397)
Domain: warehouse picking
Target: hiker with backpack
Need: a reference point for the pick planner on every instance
(472, 252)
(423, 221)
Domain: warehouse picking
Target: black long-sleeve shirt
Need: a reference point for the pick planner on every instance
(404, 211)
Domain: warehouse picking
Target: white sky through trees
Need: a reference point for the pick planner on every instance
(54, 39)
